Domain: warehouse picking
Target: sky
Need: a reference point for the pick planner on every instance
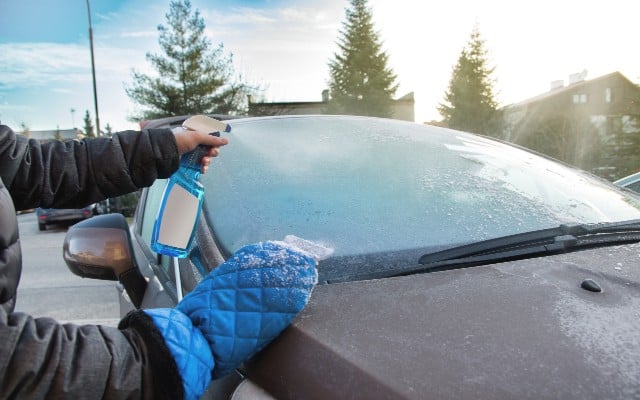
(284, 46)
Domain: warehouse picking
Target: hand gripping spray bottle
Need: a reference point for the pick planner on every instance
(181, 203)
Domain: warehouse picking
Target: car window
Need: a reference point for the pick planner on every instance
(154, 197)
(387, 185)
(151, 206)
(634, 186)
(382, 187)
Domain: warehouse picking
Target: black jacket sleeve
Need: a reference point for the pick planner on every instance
(75, 173)
(39, 357)
(42, 359)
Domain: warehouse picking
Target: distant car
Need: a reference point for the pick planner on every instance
(631, 182)
(49, 216)
(463, 267)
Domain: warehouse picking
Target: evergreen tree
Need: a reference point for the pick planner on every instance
(192, 77)
(88, 125)
(630, 149)
(26, 131)
(469, 102)
(108, 130)
(571, 138)
(361, 83)
(623, 147)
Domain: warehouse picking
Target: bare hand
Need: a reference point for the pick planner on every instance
(188, 140)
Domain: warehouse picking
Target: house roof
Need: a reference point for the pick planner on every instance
(569, 88)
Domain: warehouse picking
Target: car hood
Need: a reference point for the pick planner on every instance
(522, 329)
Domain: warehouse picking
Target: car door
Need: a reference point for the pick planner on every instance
(176, 277)
(156, 268)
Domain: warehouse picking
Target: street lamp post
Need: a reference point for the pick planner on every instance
(93, 73)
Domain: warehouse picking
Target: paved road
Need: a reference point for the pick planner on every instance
(47, 287)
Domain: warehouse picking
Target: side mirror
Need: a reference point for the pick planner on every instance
(100, 248)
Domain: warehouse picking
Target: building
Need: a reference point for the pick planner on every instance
(599, 122)
(403, 108)
(609, 101)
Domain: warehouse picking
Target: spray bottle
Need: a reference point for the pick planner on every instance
(181, 203)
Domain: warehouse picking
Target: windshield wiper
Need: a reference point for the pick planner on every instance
(562, 239)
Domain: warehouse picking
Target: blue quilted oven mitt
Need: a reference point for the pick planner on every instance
(236, 310)
(189, 349)
(246, 302)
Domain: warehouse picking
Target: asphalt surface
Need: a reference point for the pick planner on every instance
(47, 287)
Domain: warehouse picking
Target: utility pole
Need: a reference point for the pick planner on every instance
(93, 73)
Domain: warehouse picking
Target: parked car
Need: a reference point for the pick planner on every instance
(463, 266)
(631, 182)
(49, 216)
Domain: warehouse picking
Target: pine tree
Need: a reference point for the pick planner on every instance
(571, 138)
(469, 102)
(108, 130)
(88, 125)
(361, 83)
(623, 147)
(26, 131)
(192, 77)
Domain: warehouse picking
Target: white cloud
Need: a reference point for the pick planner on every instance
(139, 34)
(36, 64)
(286, 50)
(64, 91)
(10, 108)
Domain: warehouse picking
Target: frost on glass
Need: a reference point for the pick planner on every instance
(379, 188)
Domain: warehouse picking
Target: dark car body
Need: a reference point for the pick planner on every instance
(538, 318)
(49, 216)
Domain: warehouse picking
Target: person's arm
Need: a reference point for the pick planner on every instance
(70, 174)
(74, 173)
(41, 358)
(172, 353)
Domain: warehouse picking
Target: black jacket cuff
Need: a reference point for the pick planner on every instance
(166, 378)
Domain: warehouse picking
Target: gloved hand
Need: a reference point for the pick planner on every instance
(239, 308)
